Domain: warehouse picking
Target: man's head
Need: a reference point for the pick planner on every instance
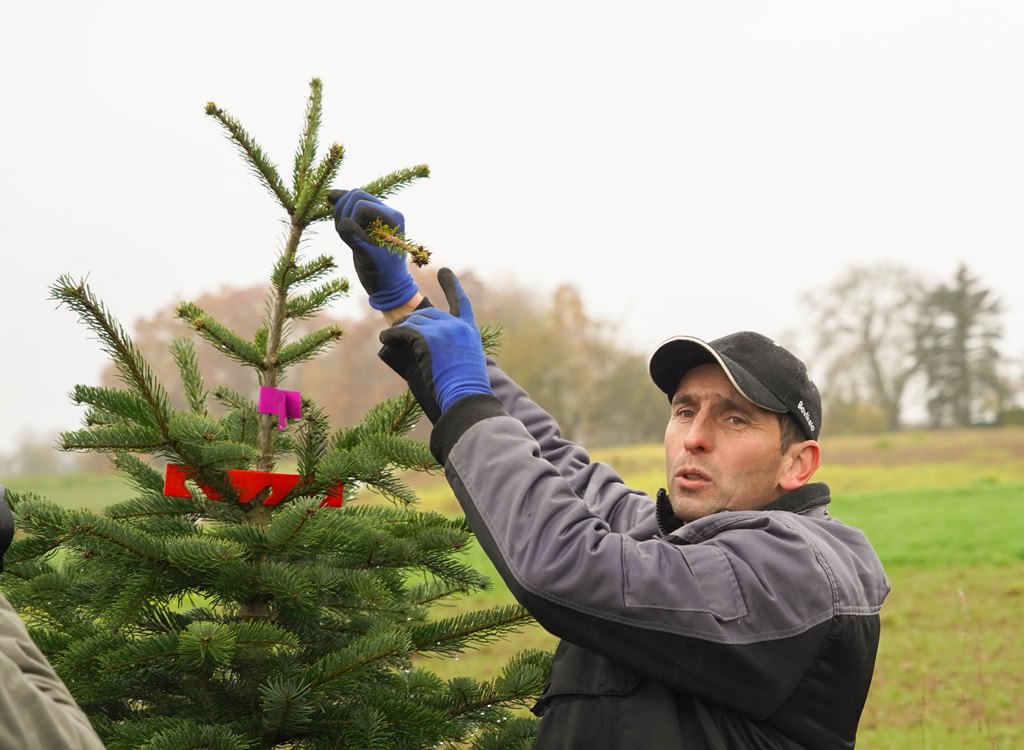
(743, 426)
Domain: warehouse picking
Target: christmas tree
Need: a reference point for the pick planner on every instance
(232, 605)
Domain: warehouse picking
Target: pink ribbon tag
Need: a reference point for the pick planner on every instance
(285, 404)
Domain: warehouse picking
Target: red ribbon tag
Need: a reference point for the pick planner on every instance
(249, 484)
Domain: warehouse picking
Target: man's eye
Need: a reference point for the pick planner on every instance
(734, 420)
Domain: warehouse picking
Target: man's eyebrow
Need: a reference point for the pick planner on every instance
(722, 402)
(683, 398)
(741, 405)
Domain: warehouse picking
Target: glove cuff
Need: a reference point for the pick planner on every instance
(395, 296)
(459, 417)
(464, 389)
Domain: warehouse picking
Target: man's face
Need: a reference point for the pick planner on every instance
(721, 450)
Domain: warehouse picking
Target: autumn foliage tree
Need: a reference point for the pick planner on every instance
(566, 358)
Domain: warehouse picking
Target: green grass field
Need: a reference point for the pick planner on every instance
(943, 510)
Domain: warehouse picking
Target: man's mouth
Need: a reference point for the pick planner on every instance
(692, 478)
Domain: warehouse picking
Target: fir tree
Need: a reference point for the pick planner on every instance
(220, 620)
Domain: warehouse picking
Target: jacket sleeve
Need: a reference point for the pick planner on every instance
(732, 609)
(37, 712)
(596, 484)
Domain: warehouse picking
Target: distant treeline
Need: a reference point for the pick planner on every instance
(885, 344)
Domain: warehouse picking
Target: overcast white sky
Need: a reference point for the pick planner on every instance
(691, 167)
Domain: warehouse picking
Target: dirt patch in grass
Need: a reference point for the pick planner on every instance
(926, 446)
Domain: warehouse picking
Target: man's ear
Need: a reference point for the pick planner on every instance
(799, 464)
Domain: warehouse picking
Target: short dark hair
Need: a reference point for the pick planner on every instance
(790, 430)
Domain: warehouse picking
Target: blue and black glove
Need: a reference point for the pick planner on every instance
(439, 354)
(384, 274)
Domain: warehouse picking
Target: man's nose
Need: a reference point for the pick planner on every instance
(699, 438)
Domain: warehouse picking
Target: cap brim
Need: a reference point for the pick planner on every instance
(678, 355)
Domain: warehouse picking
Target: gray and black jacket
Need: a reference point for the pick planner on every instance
(751, 629)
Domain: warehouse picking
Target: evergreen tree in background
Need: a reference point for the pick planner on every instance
(957, 342)
(261, 615)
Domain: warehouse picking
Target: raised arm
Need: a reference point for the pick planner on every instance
(392, 291)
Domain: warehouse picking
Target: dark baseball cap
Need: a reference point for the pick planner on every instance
(762, 371)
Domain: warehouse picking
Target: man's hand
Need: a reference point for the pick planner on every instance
(440, 354)
(384, 274)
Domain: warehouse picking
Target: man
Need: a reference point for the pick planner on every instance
(732, 612)
(37, 712)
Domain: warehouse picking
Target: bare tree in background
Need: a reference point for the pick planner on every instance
(866, 323)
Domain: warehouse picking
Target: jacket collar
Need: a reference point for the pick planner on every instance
(815, 495)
